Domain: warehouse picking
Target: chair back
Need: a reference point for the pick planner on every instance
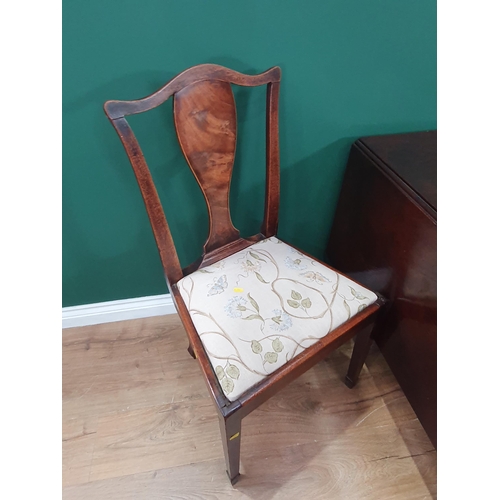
(205, 123)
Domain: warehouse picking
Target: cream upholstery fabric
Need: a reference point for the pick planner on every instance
(257, 309)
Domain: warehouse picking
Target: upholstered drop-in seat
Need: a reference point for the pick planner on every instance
(257, 309)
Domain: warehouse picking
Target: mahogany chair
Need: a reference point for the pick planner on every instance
(257, 311)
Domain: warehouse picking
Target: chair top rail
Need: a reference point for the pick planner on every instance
(119, 109)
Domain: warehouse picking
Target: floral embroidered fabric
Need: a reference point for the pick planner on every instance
(257, 309)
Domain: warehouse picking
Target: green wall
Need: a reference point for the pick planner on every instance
(350, 68)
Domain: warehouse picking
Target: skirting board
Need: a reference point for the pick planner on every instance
(117, 310)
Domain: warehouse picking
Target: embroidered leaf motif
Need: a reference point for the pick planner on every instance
(277, 345)
(252, 301)
(220, 372)
(260, 278)
(255, 256)
(204, 271)
(310, 275)
(296, 295)
(293, 303)
(320, 278)
(256, 347)
(227, 385)
(361, 307)
(271, 357)
(347, 309)
(249, 262)
(253, 316)
(233, 372)
(306, 303)
(357, 294)
(277, 319)
(241, 308)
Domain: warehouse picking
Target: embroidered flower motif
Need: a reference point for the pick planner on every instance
(249, 266)
(281, 321)
(317, 277)
(235, 307)
(295, 264)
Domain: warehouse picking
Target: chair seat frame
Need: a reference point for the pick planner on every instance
(195, 92)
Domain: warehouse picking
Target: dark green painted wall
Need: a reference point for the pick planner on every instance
(350, 68)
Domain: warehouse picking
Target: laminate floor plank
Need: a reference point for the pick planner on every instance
(157, 437)
(138, 423)
(78, 440)
(126, 365)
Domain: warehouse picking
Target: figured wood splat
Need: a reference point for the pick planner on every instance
(205, 120)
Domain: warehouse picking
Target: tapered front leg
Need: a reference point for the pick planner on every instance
(190, 351)
(362, 344)
(230, 429)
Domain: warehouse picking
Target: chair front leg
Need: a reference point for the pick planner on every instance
(191, 352)
(230, 429)
(362, 344)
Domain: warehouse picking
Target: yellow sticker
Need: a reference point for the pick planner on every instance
(237, 290)
(234, 436)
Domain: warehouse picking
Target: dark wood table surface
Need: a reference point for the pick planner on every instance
(384, 235)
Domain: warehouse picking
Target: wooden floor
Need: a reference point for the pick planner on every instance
(138, 424)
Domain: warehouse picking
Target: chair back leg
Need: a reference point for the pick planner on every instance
(362, 344)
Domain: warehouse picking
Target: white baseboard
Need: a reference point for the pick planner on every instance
(117, 310)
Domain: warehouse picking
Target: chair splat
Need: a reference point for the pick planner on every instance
(205, 121)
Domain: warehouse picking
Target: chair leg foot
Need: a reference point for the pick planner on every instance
(362, 346)
(230, 428)
(190, 351)
(350, 383)
(234, 480)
